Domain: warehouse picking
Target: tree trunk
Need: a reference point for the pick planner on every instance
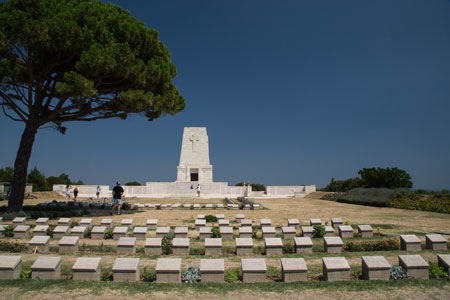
(15, 201)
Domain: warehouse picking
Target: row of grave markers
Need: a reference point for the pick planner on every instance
(168, 270)
(213, 246)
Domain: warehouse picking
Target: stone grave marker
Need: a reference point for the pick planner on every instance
(415, 265)
(168, 270)
(335, 268)
(212, 270)
(253, 270)
(10, 267)
(87, 268)
(46, 267)
(293, 269)
(126, 269)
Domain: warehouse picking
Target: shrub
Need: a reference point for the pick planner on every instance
(210, 219)
(434, 203)
(397, 272)
(383, 245)
(148, 274)
(379, 197)
(25, 274)
(9, 231)
(107, 276)
(254, 232)
(319, 231)
(49, 231)
(232, 275)
(12, 246)
(87, 233)
(109, 234)
(74, 223)
(436, 272)
(196, 251)
(288, 247)
(215, 233)
(166, 246)
(192, 274)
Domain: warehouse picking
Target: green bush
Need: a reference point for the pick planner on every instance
(383, 245)
(371, 196)
(288, 247)
(397, 272)
(192, 274)
(88, 232)
(25, 273)
(210, 219)
(255, 232)
(436, 272)
(9, 231)
(319, 231)
(232, 275)
(166, 246)
(12, 246)
(435, 203)
(109, 234)
(73, 224)
(215, 233)
(107, 276)
(49, 231)
(148, 274)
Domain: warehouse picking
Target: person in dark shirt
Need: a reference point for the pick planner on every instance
(117, 197)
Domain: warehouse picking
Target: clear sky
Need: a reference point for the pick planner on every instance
(291, 92)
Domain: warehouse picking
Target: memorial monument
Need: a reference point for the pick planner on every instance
(194, 168)
(194, 158)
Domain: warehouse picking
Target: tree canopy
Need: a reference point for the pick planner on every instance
(390, 178)
(78, 60)
(133, 183)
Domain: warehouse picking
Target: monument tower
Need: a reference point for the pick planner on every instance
(194, 158)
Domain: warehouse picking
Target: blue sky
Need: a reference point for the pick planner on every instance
(291, 92)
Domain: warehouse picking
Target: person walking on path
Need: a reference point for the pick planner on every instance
(98, 192)
(117, 197)
(68, 192)
(198, 190)
(75, 194)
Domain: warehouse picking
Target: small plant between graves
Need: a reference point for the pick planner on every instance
(87, 233)
(288, 247)
(319, 231)
(192, 274)
(210, 219)
(436, 272)
(107, 276)
(109, 234)
(232, 275)
(383, 245)
(398, 272)
(73, 224)
(215, 233)
(254, 232)
(166, 246)
(148, 274)
(25, 273)
(9, 231)
(49, 231)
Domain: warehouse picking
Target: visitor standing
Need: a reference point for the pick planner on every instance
(198, 190)
(75, 193)
(68, 192)
(98, 192)
(117, 197)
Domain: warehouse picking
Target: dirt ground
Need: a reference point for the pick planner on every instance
(392, 222)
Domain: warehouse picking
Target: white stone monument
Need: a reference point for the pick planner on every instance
(194, 158)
